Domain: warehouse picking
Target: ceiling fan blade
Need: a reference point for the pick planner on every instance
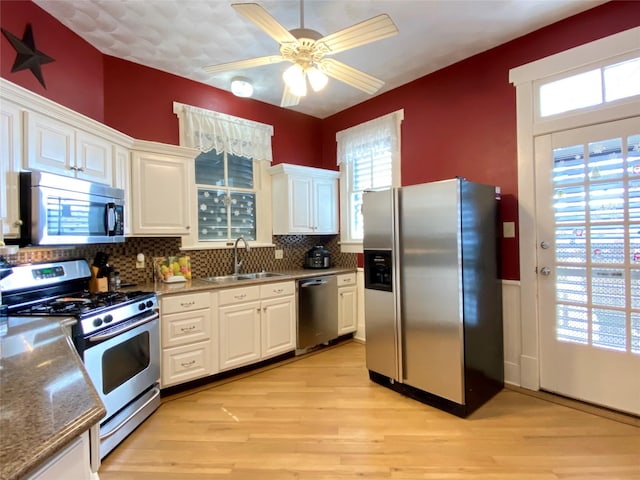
(288, 98)
(258, 15)
(375, 28)
(350, 76)
(242, 64)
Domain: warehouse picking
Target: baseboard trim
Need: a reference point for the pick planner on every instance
(609, 414)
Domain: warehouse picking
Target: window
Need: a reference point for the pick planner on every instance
(226, 197)
(594, 87)
(231, 196)
(369, 159)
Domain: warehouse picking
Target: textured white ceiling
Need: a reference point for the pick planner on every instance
(182, 36)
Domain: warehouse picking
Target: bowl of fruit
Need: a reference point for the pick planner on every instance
(173, 269)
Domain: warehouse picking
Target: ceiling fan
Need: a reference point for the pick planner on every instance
(307, 49)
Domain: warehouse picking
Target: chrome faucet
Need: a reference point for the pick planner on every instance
(237, 264)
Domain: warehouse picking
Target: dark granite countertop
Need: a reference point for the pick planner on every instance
(46, 397)
(197, 284)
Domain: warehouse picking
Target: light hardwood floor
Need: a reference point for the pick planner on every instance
(319, 417)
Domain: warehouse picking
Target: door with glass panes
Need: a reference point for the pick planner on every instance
(588, 247)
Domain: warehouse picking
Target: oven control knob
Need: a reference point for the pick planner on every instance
(149, 303)
(141, 306)
(108, 318)
(97, 322)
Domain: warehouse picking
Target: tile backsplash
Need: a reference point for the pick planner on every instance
(203, 262)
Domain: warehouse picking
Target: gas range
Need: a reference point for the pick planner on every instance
(117, 335)
(60, 289)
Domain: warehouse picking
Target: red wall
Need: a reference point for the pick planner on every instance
(461, 120)
(75, 79)
(140, 103)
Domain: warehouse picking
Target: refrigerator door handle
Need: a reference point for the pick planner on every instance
(396, 280)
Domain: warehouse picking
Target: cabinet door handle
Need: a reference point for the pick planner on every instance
(264, 309)
(258, 309)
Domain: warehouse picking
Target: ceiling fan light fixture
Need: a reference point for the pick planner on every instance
(317, 79)
(294, 77)
(241, 87)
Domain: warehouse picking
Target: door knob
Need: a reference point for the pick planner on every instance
(544, 245)
(545, 271)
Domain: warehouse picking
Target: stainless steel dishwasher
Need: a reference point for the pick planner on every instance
(317, 310)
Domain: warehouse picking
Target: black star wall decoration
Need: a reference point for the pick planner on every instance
(28, 57)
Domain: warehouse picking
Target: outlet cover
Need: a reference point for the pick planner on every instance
(509, 229)
(279, 254)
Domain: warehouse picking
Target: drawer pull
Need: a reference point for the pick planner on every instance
(188, 304)
(188, 329)
(188, 364)
(241, 296)
(278, 290)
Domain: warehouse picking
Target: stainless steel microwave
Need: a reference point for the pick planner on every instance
(58, 210)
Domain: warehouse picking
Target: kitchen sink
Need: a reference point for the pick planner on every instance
(260, 275)
(241, 276)
(223, 279)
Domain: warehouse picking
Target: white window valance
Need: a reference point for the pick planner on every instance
(207, 130)
(363, 137)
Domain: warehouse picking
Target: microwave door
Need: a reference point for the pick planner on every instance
(110, 219)
(67, 218)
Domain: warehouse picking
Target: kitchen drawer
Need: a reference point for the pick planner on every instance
(181, 364)
(346, 279)
(185, 327)
(239, 295)
(184, 303)
(280, 289)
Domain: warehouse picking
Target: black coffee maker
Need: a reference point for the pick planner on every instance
(317, 257)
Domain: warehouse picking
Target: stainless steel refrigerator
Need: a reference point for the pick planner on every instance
(433, 308)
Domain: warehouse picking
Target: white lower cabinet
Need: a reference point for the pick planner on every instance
(72, 463)
(256, 322)
(239, 317)
(347, 303)
(189, 326)
(278, 320)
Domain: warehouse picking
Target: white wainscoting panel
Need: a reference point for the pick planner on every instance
(511, 331)
(360, 330)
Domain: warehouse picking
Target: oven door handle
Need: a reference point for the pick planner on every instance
(106, 336)
(156, 393)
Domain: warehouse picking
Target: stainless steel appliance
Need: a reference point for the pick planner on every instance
(433, 310)
(317, 257)
(116, 334)
(57, 210)
(317, 311)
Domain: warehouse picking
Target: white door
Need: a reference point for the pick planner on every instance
(588, 247)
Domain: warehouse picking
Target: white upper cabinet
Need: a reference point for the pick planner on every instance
(122, 179)
(305, 200)
(162, 180)
(58, 147)
(10, 153)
